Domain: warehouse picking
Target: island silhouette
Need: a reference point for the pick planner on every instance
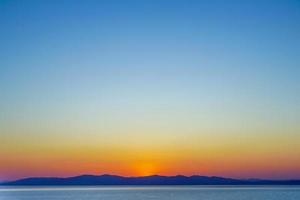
(107, 179)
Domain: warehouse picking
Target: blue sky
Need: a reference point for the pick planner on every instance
(210, 49)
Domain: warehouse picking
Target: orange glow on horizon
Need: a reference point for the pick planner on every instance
(145, 169)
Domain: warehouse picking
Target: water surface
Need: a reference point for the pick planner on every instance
(152, 193)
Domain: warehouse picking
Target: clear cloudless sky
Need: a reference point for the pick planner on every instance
(150, 87)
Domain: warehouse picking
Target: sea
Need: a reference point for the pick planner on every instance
(152, 193)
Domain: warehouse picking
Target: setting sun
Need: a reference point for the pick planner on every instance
(146, 169)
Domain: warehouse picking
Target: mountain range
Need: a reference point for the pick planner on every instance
(107, 179)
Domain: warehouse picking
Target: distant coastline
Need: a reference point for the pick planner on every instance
(107, 179)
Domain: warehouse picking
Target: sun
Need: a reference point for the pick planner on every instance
(146, 169)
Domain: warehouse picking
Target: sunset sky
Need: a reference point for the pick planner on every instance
(150, 87)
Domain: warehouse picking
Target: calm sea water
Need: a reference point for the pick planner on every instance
(152, 193)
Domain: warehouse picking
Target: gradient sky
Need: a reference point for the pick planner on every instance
(150, 87)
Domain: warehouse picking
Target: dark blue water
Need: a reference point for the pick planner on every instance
(152, 193)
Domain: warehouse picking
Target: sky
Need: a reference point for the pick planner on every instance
(137, 88)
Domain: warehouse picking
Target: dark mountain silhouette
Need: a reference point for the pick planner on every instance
(145, 180)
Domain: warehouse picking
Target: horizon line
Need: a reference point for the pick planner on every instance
(151, 175)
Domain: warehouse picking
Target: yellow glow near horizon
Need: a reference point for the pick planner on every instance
(146, 169)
